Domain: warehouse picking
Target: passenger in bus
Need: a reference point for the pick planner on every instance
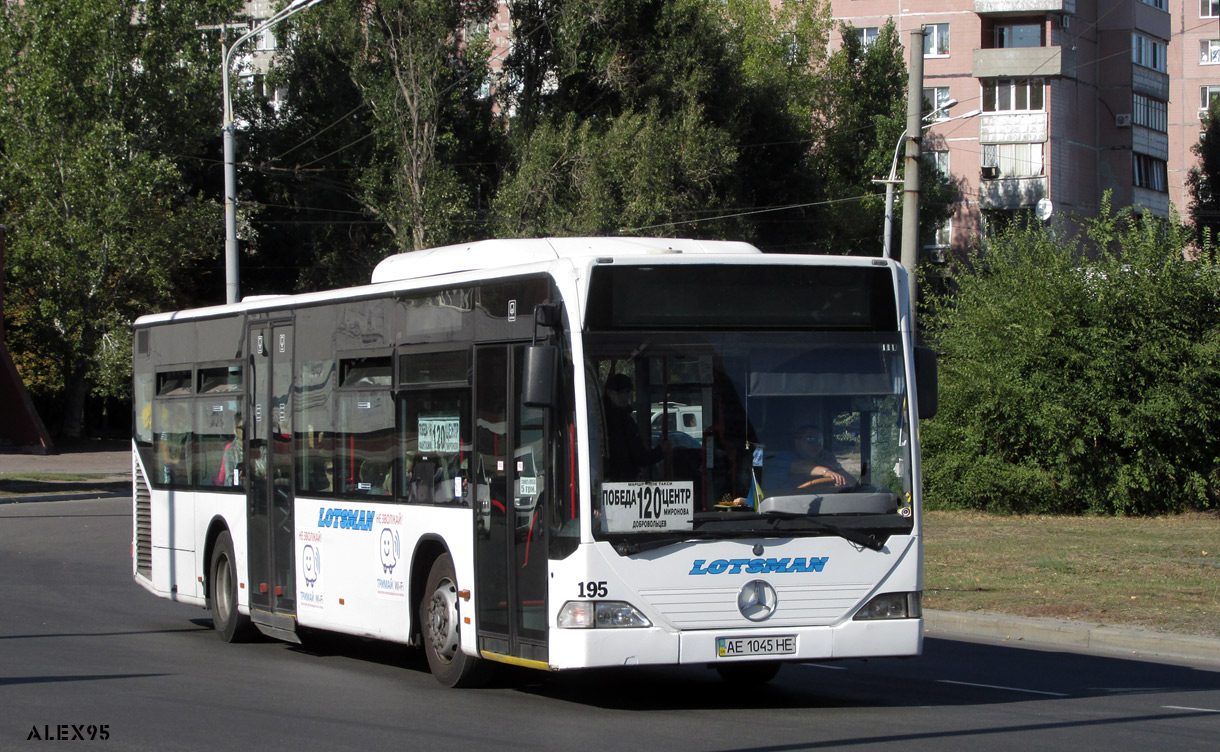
(627, 455)
(230, 460)
(807, 464)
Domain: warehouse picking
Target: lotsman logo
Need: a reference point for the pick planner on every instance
(759, 566)
(346, 519)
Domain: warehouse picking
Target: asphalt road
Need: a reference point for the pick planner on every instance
(84, 652)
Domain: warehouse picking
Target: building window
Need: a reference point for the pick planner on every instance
(1207, 95)
(1013, 95)
(935, 98)
(1209, 8)
(1147, 52)
(936, 40)
(1209, 51)
(1150, 173)
(867, 35)
(266, 40)
(1015, 160)
(938, 158)
(1150, 113)
(1018, 35)
(1158, 4)
(942, 238)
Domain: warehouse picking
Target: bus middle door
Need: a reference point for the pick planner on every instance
(510, 548)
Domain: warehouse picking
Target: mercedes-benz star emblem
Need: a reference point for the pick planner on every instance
(757, 600)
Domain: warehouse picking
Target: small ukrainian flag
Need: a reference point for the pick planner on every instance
(756, 492)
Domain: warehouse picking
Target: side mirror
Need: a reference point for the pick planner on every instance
(926, 382)
(539, 375)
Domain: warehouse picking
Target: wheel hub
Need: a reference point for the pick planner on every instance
(442, 623)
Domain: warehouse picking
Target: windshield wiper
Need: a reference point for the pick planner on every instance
(852, 535)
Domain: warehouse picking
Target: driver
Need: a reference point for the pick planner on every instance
(808, 463)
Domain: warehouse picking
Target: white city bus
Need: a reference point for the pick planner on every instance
(433, 458)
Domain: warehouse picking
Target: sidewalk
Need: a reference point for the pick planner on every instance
(1074, 636)
(106, 466)
(103, 467)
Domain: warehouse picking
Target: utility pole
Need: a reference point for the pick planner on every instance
(910, 188)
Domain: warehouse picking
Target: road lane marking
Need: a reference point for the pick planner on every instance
(1197, 710)
(1006, 689)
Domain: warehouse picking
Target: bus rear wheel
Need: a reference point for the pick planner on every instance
(230, 623)
(439, 623)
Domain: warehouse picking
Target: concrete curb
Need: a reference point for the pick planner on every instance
(1074, 636)
(75, 496)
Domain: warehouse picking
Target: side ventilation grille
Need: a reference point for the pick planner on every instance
(143, 526)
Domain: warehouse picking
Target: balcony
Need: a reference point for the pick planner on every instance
(1025, 6)
(1011, 193)
(1013, 127)
(1019, 62)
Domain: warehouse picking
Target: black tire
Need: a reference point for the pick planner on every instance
(439, 625)
(230, 624)
(749, 674)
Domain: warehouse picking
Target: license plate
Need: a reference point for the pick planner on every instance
(732, 647)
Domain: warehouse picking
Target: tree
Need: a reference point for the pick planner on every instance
(636, 115)
(417, 67)
(1203, 181)
(1074, 383)
(105, 99)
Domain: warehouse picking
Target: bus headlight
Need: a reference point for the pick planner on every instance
(891, 606)
(600, 614)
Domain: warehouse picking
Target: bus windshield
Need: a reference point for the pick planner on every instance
(732, 434)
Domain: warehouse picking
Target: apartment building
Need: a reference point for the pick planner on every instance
(1074, 98)
(1194, 74)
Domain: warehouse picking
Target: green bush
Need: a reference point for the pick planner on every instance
(1074, 382)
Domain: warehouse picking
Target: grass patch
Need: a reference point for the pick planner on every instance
(1160, 573)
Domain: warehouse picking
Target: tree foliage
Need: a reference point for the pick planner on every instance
(416, 66)
(1077, 384)
(105, 100)
(649, 117)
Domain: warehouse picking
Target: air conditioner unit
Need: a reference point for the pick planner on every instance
(1202, 113)
(1065, 21)
(990, 172)
(1123, 120)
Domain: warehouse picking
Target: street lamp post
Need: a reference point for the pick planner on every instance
(232, 274)
(892, 180)
(910, 188)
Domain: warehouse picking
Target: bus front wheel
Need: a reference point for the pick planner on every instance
(230, 623)
(439, 623)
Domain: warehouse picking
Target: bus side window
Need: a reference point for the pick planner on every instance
(434, 445)
(366, 443)
(172, 430)
(316, 461)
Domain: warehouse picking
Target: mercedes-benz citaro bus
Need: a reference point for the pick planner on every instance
(463, 456)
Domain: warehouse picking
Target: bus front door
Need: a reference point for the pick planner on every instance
(269, 481)
(510, 473)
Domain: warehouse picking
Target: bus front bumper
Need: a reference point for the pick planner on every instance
(589, 648)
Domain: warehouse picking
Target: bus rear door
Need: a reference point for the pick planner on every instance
(269, 481)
